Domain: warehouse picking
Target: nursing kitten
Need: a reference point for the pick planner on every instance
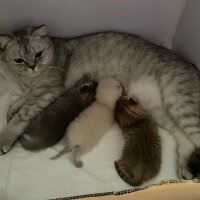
(48, 127)
(90, 126)
(167, 86)
(141, 156)
(31, 55)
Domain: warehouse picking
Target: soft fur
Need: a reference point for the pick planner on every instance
(89, 127)
(141, 156)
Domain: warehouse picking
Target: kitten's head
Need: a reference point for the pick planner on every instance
(128, 110)
(28, 51)
(108, 91)
(86, 90)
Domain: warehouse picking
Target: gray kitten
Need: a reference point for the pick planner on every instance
(48, 127)
(90, 126)
(167, 86)
(31, 55)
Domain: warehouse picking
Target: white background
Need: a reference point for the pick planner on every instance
(155, 20)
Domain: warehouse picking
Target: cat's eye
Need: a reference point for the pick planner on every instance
(84, 88)
(132, 101)
(19, 60)
(38, 54)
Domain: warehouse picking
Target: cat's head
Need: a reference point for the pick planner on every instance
(128, 110)
(27, 51)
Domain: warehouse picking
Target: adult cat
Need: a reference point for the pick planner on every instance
(166, 86)
(32, 57)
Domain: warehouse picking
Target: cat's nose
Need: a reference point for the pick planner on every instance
(32, 66)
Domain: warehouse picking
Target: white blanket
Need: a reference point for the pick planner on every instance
(33, 176)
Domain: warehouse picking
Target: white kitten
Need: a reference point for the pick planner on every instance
(90, 126)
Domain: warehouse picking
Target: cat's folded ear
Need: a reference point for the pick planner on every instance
(40, 31)
(4, 40)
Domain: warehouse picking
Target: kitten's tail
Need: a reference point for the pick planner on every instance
(63, 151)
(134, 179)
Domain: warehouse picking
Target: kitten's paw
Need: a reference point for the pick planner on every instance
(193, 163)
(121, 170)
(129, 177)
(78, 163)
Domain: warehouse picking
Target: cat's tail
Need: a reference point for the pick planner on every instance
(132, 179)
(63, 151)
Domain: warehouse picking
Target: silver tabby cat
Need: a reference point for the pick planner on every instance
(167, 86)
(31, 55)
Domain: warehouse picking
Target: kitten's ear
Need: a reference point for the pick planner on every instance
(41, 31)
(85, 87)
(84, 79)
(133, 101)
(4, 40)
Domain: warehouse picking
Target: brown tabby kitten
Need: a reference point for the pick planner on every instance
(141, 156)
(48, 127)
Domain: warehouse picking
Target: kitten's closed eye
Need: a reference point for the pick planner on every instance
(19, 60)
(38, 54)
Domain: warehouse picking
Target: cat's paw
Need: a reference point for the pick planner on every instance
(6, 143)
(185, 152)
(193, 163)
(185, 173)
